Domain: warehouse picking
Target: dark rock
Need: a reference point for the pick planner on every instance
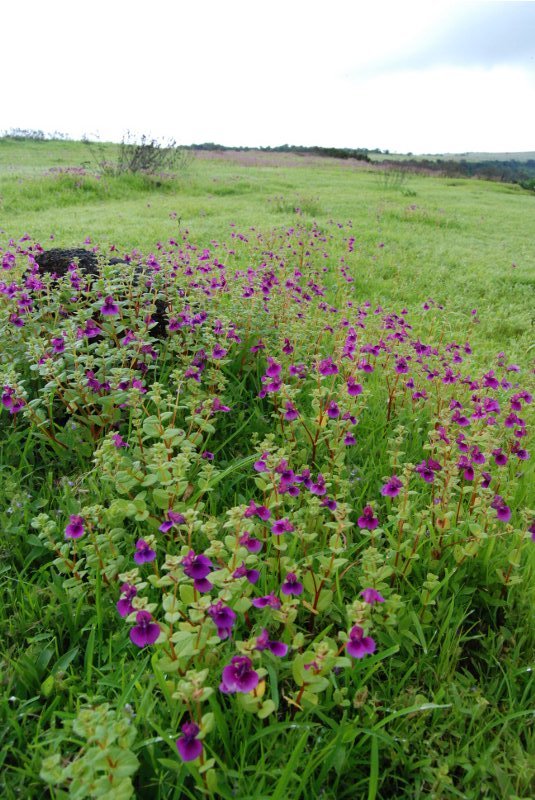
(58, 261)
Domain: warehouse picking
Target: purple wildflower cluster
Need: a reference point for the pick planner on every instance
(314, 535)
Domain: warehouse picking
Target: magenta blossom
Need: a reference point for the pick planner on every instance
(327, 367)
(260, 511)
(499, 457)
(503, 512)
(291, 412)
(270, 600)
(118, 440)
(110, 307)
(263, 642)
(144, 552)
(291, 585)
(333, 410)
(239, 676)
(217, 405)
(173, 518)
(124, 605)
(58, 344)
(367, 519)
(243, 571)
(219, 352)
(392, 487)
(198, 567)
(281, 526)
(486, 478)
(353, 388)
(359, 645)
(372, 596)
(260, 465)
(188, 746)
(144, 631)
(223, 618)
(253, 545)
(426, 470)
(75, 527)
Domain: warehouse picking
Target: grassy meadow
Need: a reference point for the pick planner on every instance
(287, 549)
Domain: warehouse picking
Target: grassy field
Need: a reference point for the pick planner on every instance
(324, 317)
(467, 239)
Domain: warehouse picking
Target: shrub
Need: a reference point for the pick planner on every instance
(141, 155)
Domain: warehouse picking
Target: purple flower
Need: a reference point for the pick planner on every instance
(318, 486)
(223, 618)
(239, 676)
(327, 367)
(531, 530)
(476, 456)
(75, 527)
(260, 511)
(499, 457)
(253, 545)
(291, 585)
(392, 487)
(486, 478)
(198, 567)
(333, 410)
(219, 352)
(330, 503)
(270, 600)
(242, 571)
(353, 388)
(465, 465)
(367, 519)
(359, 645)
(372, 596)
(144, 631)
(288, 347)
(118, 440)
(90, 330)
(291, 411)
(124, 605)
(188, 746)
(129, 336)
(7, 397)
(173, 518)
(281, 526)
(426, 471)
(503, 512)
(217, 405)
(110, 307)
(260, 465)
(144, 553)
(58, 344)
(273, 369)
(263, 642)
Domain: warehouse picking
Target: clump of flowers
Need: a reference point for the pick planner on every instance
(283, 476)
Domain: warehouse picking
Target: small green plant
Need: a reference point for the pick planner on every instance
(394, 179)
(301, 205)
(104, 763)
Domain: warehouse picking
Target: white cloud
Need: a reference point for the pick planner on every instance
(245, 73)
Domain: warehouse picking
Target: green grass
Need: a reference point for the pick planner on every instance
(445, 707)
(465, 239)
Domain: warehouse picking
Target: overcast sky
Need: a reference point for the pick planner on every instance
(426, 77)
